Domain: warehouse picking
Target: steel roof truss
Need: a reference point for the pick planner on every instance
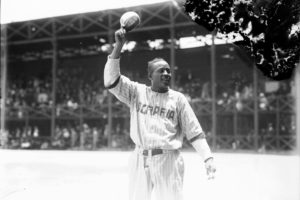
(41, 28)
(92, 22)
(156, 14)
(18, 31)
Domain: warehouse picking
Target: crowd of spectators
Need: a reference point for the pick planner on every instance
(77, 86)
(237, 91)
(74, 87)
(74, 137)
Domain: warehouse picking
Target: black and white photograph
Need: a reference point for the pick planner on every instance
(150, 100)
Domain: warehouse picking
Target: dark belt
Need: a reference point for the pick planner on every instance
(152, 152)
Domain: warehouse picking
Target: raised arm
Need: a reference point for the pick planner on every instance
(112, 68)
(120, 41)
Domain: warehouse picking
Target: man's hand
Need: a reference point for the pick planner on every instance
(120, 41)
(120, 36)
(210, 168)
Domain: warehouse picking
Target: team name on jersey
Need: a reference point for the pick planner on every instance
(155, 110)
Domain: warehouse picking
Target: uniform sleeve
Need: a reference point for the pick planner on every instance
(119, 85)
(188, 121)
(111, 72)
(124, 90)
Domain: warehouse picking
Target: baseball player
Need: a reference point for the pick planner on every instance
(159, 119)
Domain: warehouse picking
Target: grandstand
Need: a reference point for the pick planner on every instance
(53, 95)
(76, 135)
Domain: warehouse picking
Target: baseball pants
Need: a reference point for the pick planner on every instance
(160, 176)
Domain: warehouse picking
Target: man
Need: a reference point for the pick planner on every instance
(159, 119)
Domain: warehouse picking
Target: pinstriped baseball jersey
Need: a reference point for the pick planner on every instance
(157, 120)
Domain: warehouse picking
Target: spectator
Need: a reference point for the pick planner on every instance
(206, 91)
(95, 137)
(74, 137)
(36, 132)
(4, 139)
(42, 98)
(247, 92)
(65, 138)
(263, 101)
(57, 139)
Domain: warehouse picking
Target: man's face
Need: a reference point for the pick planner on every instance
(161, 76)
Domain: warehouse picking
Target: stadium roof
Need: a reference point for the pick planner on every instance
(25, 10)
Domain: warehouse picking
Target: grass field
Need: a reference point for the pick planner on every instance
(102, 175)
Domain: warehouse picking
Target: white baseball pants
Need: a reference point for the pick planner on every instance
(160, 176)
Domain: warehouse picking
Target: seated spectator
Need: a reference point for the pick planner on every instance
(36, 132)
(45, 144)
(247, 92)
(26, 138)
(42, 98)
(74, 137)
(206, 91)
(238, 101)
(71, 104)
(263, 101)
(65, 138)
(57, 142)
(4, 139)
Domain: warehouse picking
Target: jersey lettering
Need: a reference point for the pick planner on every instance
(170, 114)
(156, 110)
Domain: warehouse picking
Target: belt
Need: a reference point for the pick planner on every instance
(152, 152)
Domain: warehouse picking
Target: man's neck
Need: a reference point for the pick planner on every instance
(159, 90)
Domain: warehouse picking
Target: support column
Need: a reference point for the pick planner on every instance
(297, 99)
(54, 67)
(213, 89)
(277, 124)
(256, 111)
(235, 123)
(109, 95)
(172, 47)
(297, 113)
(3, 75)
(82, 131)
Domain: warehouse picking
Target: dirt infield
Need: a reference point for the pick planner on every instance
(102, 175)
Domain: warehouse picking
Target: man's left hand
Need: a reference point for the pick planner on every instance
(210, 168)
